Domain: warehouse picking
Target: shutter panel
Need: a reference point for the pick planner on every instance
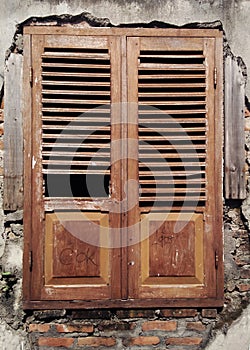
(176, 155)
(71, 167)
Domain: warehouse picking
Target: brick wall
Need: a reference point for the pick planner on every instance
(186, 329)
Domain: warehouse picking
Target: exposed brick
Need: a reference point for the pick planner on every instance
(178, 312)
(63, 328)
(41, 328)
(159, 325)
(184, 341)
(209, 313)
(245, 273)
(91, 314)
(56, 342)
(141, 341)
(244, 287)
(240, 234)
(1, 145)
(96, 341)
(241, 261)
(135, 313)
(196, 326)
(116, 326)
(1, 130)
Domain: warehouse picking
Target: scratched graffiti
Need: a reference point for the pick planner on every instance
(68, 256)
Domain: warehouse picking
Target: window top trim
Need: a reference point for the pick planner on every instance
(170, 32)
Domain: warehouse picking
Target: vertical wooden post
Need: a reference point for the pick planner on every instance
(235, 183)
(13, 137)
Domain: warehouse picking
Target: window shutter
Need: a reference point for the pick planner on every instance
(123, 158)
(71, 167)
(176, 157)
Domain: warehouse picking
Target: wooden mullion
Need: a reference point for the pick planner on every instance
(124, 171)
(116, 169)
(211, 176)
(37, 177)
(134, 259)
(218, 169)
(27, 131)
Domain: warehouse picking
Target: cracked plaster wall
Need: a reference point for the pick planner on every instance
(234, 17)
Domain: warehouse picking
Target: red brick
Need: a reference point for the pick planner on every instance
(63, 328)
(209, 313)
(41, 328)
(178, 312)
(1, 145)
(245, 273)
(196, 326)
(66, 342)
(116, 326)
(244, 287)
(141, 341)
(135, 313)
(159, 325)
(96, 341)
(1, 130)
(184, 341)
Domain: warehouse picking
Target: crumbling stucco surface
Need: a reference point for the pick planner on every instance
(177, 12)
(234, 14)
(237, 336)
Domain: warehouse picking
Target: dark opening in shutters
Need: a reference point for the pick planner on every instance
(76, 140)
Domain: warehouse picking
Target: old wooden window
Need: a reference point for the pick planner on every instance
(123, 167)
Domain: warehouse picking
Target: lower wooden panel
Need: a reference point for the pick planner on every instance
(76, 264)
(172, 256)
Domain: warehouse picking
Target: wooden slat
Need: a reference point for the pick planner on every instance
(75, 55)
(171, 190)
(171, 197)
(75, 110)
(175, 120)
(76, 92)
(75, 83)
(76, 74)
(13, 134)
(77, 145)
(157, 111)
(170, 173)
(75, 65)
(75, 171)
(72, 162)
(76, 127)
(78, 136)
(170, 130)
(77, 154)
(235, 179)
(189, 182)
(157, 56)
(172, 66)
(179, 75)
(83, 118)
(171, 103)
(176, 136)
(73, 102)
(163, 94)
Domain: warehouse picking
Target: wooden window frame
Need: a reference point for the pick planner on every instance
(216, 297)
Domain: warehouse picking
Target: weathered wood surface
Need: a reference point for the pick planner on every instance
(13, 137)
(235, 181)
